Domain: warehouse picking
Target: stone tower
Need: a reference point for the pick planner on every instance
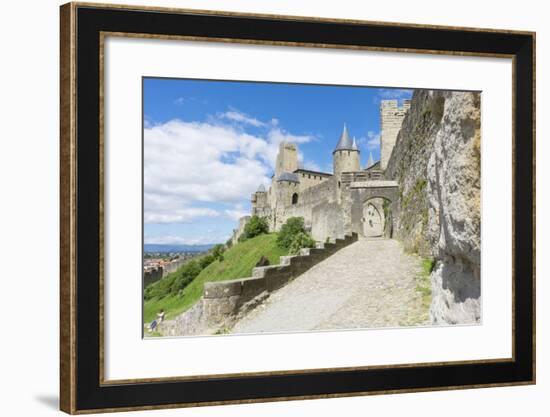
(287, 186)
(287, 158)
(345, 157)
(260, 203)
(391, 118)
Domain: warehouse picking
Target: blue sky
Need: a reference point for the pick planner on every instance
(209, 144)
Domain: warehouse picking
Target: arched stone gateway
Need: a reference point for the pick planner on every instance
(374, 207)
(374, 218)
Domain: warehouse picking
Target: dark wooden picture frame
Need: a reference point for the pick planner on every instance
(83, 388)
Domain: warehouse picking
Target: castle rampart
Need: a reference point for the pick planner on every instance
(326, 201)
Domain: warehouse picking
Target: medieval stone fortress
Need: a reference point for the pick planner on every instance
(351, 199)
(398, 241)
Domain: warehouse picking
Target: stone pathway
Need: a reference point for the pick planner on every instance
(371, 283)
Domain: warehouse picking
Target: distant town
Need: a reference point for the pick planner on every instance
(160, 260)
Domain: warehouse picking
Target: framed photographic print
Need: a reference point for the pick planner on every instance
(264, 208)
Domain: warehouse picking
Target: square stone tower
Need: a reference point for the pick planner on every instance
(287, 158)
(391, 118)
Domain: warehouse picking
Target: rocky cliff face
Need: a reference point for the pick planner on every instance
(437, 163)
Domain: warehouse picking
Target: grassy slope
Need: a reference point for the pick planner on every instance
(238, 263)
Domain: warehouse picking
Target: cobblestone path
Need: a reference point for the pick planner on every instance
(371, 283)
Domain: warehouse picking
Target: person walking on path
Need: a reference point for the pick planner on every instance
(154, 324)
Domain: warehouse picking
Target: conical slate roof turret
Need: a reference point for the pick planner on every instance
(354, 145)
(345, 142)
(370, 162)
(261, 189)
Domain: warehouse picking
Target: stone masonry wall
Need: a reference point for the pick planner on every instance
(152, 275)
(391, 117)
(172, 266)
(436, 161)
(223, 302)
(240, 229)
(307, 200)
(408, 166)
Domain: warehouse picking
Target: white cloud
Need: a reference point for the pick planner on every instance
(147, 122)
(236, 213)
(394, 93)
(312, 166)
(240, 117)
(372, 141)
(183, 215)
(189, 165)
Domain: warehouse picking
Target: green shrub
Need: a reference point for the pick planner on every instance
(256, 226)
(187, 275)
(217, 251)
(292, 227)
(300, 241)
(206, 260)
(175, 281)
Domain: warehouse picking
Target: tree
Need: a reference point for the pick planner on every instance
(217, 252)
(300, 241)
(292, 227)
(256, 226)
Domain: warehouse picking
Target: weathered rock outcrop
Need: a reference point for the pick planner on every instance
(437, 163)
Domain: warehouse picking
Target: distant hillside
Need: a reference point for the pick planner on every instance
(150, 247)
(237, 262)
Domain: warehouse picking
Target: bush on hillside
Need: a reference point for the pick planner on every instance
(292, 227)
(187, 274)
(215, 254)
(256, 226)
(300, 241)
(217, 251)
(206, 260)
(174, 282)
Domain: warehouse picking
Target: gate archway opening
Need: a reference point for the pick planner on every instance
(377, 217)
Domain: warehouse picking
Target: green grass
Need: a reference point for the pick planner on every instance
(423, 281)
(424, 289)
(237, 263)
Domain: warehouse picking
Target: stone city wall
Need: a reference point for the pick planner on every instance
(327, 221)
(152, 275)
(172, 266)
(307, 200)
(155, 274)
(310, 179)
(223, 302)
(240, 229)
(436, 161)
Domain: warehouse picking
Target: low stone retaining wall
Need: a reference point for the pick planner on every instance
(224, 302)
